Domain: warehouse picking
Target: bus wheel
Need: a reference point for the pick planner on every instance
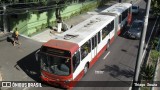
(85, 68)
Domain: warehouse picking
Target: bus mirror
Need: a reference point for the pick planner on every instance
(37, 55)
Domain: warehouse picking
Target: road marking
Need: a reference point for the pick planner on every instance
(106, 55)
(26, 88)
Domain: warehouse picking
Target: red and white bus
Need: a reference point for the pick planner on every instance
(67, 57)
(122, 12)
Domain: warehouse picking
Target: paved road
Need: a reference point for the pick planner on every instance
(17, 63)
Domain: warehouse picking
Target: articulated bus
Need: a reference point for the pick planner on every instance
(122, 12)
(67, 57)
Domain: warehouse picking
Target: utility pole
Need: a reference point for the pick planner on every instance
(141, 47)
(4, 19)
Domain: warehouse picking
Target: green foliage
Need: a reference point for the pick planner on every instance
(88, 7)
(154, 55)
(43, 26)
(75, 14)
(155, 43)
(52, 23)
(145, 88)
(155, 5)
(102, 2)
(39, 29)
(148, 72)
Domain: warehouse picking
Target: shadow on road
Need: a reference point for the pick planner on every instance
(9, 39)
(123, 50)
(115, 71)
(30, 66)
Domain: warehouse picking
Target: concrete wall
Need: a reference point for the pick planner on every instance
(31, 23)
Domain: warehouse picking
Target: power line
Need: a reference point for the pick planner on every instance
(43, 8)
(38, 8)
(31, 10)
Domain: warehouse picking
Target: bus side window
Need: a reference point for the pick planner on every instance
(99, 37)
(76, 60)
(104, 32)
(124, 14)
(85, 49)
(112, 25)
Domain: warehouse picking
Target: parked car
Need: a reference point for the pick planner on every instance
(135, 9)
(151, 14)
(135, 29)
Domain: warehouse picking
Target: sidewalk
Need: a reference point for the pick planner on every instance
(3, 35)
(46, 35)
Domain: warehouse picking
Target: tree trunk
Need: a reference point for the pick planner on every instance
(58, 15)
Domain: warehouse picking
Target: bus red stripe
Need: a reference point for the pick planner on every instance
(119, 32)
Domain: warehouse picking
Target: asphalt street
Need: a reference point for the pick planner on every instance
(116, 64)
(17, 63)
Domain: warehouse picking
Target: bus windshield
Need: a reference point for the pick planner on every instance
(55, 64)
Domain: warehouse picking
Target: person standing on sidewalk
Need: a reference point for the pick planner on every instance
(15, 36)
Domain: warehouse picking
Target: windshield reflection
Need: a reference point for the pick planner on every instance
(56, 65)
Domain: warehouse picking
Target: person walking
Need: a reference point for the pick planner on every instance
(15, 36)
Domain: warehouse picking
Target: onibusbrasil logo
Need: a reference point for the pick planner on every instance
(21, 84)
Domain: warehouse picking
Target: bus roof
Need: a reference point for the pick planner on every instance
(63, 45)
(83, 31)
(117, 8)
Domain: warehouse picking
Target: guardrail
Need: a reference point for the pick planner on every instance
(158, 46)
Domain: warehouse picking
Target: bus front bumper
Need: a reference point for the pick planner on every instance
(57, 83)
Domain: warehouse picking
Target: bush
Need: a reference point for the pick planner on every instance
(88, 7)
(148, 72)
(154, 56)
(155, 43)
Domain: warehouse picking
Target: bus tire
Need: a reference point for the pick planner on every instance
(85, 68)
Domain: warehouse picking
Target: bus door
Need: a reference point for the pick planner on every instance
(116, 26)
(94, 46)
(111, 29)
(120, 23)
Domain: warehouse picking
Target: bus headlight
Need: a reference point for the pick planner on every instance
(42, 75)
(69, 80)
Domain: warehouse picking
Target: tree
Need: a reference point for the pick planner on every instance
(155, 5)
(60, 4)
